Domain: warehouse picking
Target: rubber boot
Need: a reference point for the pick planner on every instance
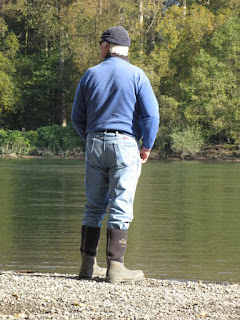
(116, 247)
(89, 268)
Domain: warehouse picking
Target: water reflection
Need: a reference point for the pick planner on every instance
(186, 222)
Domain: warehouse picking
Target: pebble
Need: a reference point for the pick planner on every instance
(61, 296)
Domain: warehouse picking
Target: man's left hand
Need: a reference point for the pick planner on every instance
(144, 154)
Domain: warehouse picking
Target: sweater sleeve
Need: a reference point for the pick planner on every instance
(149, 112)
(79, 116)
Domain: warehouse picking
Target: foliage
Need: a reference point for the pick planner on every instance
(171, 117)
(9, 48)
(38, 82)
(212, 94)
(187, 141)
(14, 142)
(53, 140)
(59, 140)
(190, 53)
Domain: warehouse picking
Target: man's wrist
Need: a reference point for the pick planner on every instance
(146, 149)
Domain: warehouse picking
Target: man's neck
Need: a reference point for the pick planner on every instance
(109, 55)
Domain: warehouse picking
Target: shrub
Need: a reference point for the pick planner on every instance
(59, 140)
(187, 141)
(14, 142)
(46, 141)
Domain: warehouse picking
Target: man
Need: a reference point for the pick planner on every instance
(114, 107)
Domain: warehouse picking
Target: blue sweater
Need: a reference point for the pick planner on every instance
(116, 95)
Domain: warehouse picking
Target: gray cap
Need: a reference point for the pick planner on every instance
(117, 35)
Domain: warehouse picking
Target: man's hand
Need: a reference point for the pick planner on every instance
(144, 154)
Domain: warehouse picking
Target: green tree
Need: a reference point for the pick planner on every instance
(8, 92)
(183, 40)
(44, 50)
(190, 53)
(212, 93)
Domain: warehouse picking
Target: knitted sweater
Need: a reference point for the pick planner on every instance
(116, 95)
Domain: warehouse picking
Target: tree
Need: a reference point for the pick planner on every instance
(43, 46)
(8, 92)
(212, 92)
(190, 53)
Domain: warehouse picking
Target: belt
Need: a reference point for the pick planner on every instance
(112, 131)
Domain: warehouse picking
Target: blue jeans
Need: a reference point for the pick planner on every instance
(112, 169)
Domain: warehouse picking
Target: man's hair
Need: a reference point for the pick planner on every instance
(120, 50)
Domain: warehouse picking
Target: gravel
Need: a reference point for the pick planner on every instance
(62, 296)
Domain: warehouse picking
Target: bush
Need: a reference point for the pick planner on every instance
(52, 140)
(14, 142)
(59, 140)
(187, 142)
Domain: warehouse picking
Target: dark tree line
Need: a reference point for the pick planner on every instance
(189, 49)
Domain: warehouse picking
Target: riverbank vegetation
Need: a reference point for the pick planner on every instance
(45, 141)
(59, 141)
(189, 49)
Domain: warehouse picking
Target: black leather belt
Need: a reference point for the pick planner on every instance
(112, 131)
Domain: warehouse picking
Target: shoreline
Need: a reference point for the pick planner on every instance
(216, 154)
(62, 296)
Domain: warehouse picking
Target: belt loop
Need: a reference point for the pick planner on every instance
(104, 141)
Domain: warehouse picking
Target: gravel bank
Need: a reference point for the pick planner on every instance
(61, 296)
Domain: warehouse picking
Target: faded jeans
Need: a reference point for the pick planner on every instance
(112, 169)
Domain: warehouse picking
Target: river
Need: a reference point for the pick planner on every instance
(186, 218)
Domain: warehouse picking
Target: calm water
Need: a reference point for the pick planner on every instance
(186, 226)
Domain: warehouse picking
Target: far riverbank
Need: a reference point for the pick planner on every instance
(211, 153)
(63, 142)
(216, 153)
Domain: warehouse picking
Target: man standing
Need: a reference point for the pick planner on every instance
(114, 107)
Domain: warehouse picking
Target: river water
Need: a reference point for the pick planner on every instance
(186, 225)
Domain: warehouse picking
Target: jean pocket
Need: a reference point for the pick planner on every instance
(127, 154)
(92, 152)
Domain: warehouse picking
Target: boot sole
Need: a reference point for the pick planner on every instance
(86, 277)
(125, 280)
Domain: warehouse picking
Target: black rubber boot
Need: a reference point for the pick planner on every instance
(116, 247)
(89, 268)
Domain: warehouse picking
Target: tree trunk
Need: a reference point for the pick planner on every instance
(100, 6)
(141, 27)
(62, 107)
(46, 47)
(184, 5)
(62, 115)
(26, 40)
(141, 13)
